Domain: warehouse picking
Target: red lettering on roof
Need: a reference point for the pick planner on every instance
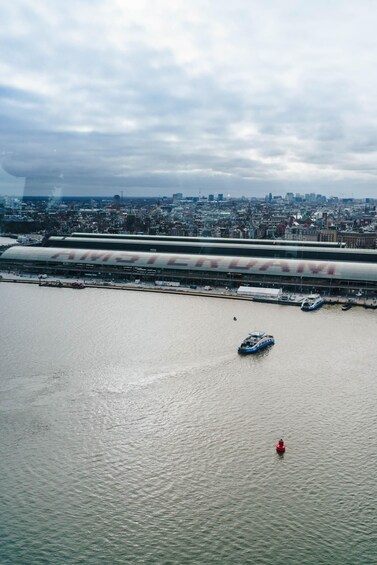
(282, 265)
(213, 263)
(93, 256)
(234, 264)
(71, 255)
(316, 268)
(123, 258)
(177, 261)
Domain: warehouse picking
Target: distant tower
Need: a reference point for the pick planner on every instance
(116, 201)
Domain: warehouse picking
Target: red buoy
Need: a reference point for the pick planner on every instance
(280, 446)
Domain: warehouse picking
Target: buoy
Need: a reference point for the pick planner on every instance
(280, 446)
(234, 318)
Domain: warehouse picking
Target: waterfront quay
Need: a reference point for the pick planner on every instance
(294, 299)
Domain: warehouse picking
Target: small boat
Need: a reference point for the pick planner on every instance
(57, 284)
(77, 285)
(255, 341)
(280, 446)
(347, 306)
(312, 302)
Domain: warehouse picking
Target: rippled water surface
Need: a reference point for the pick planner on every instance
(132, 432)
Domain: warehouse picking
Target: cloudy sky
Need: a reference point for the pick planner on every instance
(153, 97)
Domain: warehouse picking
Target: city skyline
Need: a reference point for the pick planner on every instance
(157, 98)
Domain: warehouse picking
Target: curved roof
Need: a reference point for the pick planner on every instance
(210, 248)
(185, 242)
(216, 263)
(207, 240)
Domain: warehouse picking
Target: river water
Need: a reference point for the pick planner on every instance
(132, 432)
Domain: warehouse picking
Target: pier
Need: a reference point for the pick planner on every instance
(294, 299)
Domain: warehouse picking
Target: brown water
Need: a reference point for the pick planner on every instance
(132, 432)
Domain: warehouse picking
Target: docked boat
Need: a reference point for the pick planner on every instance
(57, 284)
(347, 306)
(312, 302)
(77, 285)
(255, 341)
(280, 446)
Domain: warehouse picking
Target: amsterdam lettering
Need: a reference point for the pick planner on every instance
(273, 266)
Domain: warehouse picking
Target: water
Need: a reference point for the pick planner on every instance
(132, 432)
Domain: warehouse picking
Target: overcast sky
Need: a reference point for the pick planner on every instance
(153, 97)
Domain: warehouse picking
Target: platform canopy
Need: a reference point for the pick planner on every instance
(258, 291)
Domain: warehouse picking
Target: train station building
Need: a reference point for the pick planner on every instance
(325, 267)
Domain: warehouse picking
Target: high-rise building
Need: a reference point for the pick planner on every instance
(116, 201)
(289, 197)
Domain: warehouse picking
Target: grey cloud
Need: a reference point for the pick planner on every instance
(104, 117)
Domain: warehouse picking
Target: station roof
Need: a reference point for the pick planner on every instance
(293, 268)
(202, 244)
(207, 240)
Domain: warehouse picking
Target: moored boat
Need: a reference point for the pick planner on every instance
(78, 285)
(57, 284)
(255, 341)
(312, 302)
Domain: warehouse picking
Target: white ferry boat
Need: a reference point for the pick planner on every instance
(312, 302)
(255, 341)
